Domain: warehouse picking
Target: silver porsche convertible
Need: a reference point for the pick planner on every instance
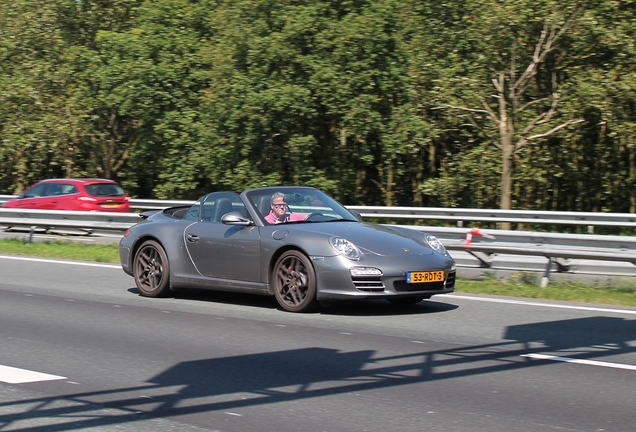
(295, 243)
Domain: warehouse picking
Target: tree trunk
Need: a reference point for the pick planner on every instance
(389, 183)
(507, 153)
(418, 198)
(632, 176)
(506, 178)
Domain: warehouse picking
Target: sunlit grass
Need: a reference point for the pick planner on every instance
(613, 291)
(105, 253)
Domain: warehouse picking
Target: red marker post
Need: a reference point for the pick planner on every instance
(475, 232)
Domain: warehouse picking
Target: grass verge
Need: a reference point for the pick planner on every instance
(618, 291)
(615, 291)
(104, 253)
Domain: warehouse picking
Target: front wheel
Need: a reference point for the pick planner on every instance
(294, 282)
(151, 270)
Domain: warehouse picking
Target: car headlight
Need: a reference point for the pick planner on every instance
(434, 243)
(345, 248)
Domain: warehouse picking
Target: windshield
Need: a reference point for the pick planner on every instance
(104, 190)
(297, 205)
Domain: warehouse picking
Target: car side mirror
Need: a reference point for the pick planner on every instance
(356, 214)
(236, 218)
(20, 196)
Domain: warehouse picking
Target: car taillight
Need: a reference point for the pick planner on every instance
(83, 198)
(126, 233)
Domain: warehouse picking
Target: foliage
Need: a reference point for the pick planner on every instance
(378, 102)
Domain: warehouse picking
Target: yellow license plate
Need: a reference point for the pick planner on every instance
(424, 277)
(110, 205)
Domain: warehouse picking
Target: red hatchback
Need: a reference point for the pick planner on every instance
(73, 194)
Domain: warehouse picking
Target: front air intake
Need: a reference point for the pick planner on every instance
(368, 284)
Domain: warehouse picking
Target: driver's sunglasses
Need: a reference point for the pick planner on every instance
(279, 205)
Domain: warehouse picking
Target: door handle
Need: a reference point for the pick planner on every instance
(192, 238)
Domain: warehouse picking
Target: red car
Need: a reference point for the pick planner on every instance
(73, 194)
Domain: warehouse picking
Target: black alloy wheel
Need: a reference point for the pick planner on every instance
(151, 270)
(294, 282)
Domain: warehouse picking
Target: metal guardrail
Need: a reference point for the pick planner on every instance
(549, 245)
(558, 249)
(512, 216)
(86, 222)
(481, 244)
(589, 219)
(459, 215)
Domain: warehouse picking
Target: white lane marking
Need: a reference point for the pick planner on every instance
(11, 375)
(61, 262)
(579, 361)
(549, 305)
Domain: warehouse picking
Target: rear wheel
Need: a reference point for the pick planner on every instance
(294, 282)
(151, 270)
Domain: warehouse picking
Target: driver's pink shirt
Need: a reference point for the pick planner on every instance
(287, 217)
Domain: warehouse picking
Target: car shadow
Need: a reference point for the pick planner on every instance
(366, 307)
(380, 307)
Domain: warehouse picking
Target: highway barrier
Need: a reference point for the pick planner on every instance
(482, 244)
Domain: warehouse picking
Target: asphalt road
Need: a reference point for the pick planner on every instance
(205, 361)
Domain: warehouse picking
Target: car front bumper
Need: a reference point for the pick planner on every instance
(335, 282)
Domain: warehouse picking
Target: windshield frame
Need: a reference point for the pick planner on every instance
(300, 200)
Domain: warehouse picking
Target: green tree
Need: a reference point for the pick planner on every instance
(525, 76)
(303, 93)
(140, 82)
(34, 103)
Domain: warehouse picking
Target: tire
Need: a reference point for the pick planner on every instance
(294, 282)
(405, 301)
(151, 270)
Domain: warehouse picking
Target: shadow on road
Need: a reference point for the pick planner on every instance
(365, 307)
(231, 383)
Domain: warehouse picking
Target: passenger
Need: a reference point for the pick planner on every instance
(278, 213)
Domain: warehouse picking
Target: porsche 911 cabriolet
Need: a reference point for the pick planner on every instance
(295, 243)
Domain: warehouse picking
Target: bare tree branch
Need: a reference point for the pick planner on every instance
(498, 85)
(536, 101)
(545, 45)
(491, 113)
(463, 109)
(546, 134)
(548, 116)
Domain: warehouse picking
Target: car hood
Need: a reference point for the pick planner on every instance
(371, 238)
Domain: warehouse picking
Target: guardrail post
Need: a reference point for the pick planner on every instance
(33, 227)
(546, 276)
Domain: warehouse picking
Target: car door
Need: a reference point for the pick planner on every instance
(54, 199)
(34, 198)
(223, 251)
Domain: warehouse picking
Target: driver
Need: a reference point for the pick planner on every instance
(278, 213)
